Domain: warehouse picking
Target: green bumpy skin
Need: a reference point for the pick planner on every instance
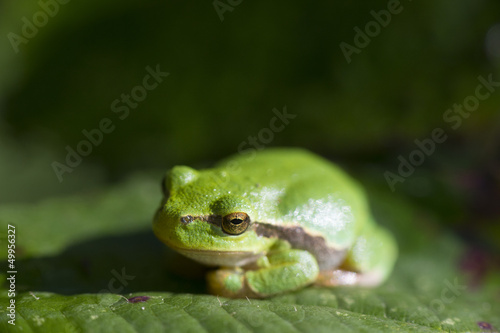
(274, 221)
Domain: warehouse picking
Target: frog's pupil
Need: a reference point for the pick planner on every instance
(236, 221)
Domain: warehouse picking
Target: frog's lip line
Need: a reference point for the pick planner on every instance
(185, 249)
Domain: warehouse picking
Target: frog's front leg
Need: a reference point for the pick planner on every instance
(279, 271)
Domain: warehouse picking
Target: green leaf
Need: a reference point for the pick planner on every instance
(81, 259)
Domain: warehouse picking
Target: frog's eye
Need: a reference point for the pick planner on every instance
(235, 223)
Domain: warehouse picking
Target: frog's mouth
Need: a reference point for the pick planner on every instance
(220, 258)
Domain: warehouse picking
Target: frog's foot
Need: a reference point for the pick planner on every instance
(341, 277)
(276, 273)
(229, 282)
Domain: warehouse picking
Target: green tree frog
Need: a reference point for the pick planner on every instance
(273, 221)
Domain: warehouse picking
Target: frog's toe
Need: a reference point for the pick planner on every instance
(229, 282)
(339, 277)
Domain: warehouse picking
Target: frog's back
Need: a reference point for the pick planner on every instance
(295, 188)
(288, 161)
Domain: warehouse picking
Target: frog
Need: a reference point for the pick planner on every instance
(274, 221)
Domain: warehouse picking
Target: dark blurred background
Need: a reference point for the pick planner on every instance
(361, 99)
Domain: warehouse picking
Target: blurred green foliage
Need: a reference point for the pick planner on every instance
(226, 77)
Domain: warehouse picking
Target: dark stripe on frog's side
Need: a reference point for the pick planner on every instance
(216, 220)
(328, 257)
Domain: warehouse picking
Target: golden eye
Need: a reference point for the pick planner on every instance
(235, 223)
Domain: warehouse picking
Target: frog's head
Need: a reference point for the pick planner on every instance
(205, 217)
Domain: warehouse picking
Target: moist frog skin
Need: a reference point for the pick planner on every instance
(274, 221)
